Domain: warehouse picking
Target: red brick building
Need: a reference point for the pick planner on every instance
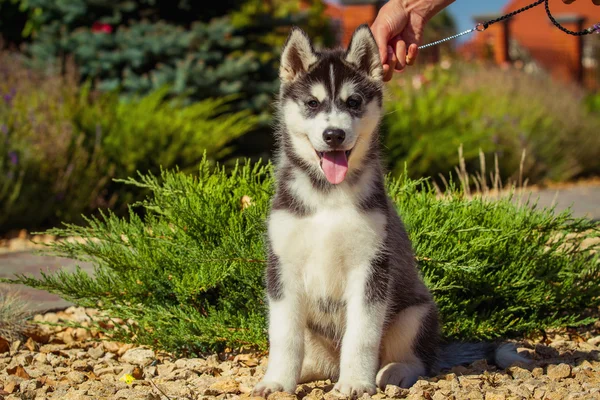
(347, 15)
(530, 41)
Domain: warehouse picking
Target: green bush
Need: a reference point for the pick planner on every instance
(61, 145)
(201, 51)
(189, 273)
(430, 114)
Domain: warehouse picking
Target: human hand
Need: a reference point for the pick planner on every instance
(397, 31)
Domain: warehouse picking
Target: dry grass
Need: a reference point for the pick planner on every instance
(13, 315)
(484, 182)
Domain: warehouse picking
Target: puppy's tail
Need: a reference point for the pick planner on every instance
(501, 355)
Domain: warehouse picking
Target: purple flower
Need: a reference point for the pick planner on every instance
(14, 157)
(9, 96)
(4, 129)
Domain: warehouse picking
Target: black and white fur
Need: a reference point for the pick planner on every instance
(346, 301)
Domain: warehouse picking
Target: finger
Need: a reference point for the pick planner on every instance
(412, 39)
(400, 55)
(381, 34)
(386, 68)
(411, 56)
(392, 64)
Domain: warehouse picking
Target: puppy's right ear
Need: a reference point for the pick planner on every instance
(298, 55)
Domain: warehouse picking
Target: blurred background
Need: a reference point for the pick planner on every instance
(96, 90)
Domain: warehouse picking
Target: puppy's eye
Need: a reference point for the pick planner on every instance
(353, 102)
(312, 103)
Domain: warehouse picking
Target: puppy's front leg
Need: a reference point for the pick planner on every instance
(286, 334)
(360, 346)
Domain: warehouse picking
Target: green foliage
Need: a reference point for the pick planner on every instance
(202, 52)
(189, 273)
(61, 146)
(430, 115)
(593, 102)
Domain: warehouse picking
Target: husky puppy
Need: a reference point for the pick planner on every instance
(346, 301)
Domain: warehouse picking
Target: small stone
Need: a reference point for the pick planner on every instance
(29, 385)
(537, 372)
(124, 348)
(495, 395)
(40, 358)
(112, 347)
(281, 396)
(227, 385)
(316, 394)
(108, 370)
(165, 369)
(138, 356)
(125, 394)
(559, 371)
(137, 373)
(150, 371)
(96, 352)
(440, 396)
(585, 364)
(76, 377)
(395, 391)
(555, 396)
(76, 395)
(80, 365)
(176, 389)
(470, 382)
(474, 395)
(519, 373)
(595, 341)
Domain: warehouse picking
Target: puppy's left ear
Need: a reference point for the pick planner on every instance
(364, 53)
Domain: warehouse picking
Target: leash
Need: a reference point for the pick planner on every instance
(484, 25)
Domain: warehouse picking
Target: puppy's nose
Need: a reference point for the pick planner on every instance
(334, 137)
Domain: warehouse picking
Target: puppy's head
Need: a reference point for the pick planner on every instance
(331, 102)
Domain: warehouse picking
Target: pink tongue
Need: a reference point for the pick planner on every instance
(335, 166)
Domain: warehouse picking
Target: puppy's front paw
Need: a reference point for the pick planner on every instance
(265, 388)
(355, 389)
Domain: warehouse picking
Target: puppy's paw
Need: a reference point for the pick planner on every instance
(265, 388)
(355, 389)
(398, 374)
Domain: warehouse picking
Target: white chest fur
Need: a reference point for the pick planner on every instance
(321, 250)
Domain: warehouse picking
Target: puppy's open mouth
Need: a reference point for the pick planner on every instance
(334, 165)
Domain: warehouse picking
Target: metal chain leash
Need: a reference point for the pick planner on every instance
(484, 25)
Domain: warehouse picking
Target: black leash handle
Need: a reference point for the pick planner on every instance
(482, 26)
(512, 14)
(595, 28)
(587, 31)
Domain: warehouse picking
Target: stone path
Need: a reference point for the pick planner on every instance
(69, 364)
(584, 200)
(29, 263)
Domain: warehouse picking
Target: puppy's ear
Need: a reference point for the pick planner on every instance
(298, 55)
(364, 54)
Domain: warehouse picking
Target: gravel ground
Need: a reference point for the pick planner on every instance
(59, 363)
